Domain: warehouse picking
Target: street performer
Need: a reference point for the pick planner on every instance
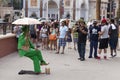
(26, 48)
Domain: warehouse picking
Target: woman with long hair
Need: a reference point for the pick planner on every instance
(44, 34)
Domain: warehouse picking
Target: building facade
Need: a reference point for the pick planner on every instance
(92, 9)
(57, 9)
(6, 10)
(12, 8)
(73, 9)
(116, 5)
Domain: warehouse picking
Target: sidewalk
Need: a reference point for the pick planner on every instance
(63, 67)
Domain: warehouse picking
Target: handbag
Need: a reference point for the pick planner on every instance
(52, 37)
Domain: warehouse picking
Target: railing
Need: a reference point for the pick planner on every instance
(5, 28)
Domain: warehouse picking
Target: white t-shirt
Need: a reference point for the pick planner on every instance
(104, 29)
(113, 26)
(63, 31)
(44, 31)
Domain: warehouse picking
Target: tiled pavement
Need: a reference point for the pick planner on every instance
(63, 67)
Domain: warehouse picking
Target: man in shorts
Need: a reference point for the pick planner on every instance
(62, 37)
(103, 39)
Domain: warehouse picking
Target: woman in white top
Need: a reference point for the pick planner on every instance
(44, 35)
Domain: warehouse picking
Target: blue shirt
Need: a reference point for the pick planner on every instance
(63, 31)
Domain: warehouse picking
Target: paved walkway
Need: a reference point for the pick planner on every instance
(63, 67)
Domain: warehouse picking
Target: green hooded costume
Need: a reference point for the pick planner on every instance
(32, 53)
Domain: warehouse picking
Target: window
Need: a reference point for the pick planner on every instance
(53, 16)
(33, 2)
(67, 3)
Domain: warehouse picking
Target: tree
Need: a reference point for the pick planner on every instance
(98, 11)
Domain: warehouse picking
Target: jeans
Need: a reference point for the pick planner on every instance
(81, 50)
(93, 45)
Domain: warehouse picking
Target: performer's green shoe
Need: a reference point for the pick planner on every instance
(44, 63)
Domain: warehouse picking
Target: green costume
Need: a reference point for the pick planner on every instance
(32, 53)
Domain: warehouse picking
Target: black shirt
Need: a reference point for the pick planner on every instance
(94, 33)
(113, 33)
(81, 36)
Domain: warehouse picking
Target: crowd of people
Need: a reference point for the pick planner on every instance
(105, 34)
(54, 35)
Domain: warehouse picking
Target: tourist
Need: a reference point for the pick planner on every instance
(69, 38)
(53, 37)
(44, 35)
(62, 37)
(113, 37)
(103, 39)
(94, 39)
(75, 36)
(82, 38)
(33, 34)
(17, 31)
